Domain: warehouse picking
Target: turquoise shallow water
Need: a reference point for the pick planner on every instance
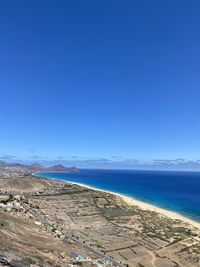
(176, 191)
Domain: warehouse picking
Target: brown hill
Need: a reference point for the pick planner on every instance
(60, 167)
(36, 167)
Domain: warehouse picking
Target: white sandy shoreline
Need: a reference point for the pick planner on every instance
(145, 206)
(134, 202)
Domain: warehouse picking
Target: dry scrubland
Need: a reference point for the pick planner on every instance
(58, 218)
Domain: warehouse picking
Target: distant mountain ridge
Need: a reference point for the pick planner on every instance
(39, 167)
(36, 167)
(57, 167)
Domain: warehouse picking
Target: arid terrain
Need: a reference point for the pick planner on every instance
(48, 223)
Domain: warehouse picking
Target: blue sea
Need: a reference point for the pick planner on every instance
(175, 191)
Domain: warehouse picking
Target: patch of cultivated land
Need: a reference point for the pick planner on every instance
(101, 221)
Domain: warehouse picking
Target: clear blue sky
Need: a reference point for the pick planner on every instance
(100, 79)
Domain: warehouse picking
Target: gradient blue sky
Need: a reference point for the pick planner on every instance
(91, 80)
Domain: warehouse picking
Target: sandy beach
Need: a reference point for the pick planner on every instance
(145, 206)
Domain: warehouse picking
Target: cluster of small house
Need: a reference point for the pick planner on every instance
(13, 205)
(11, 171)
(103, 262)
(82, 258)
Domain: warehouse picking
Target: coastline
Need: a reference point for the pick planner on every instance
(145, 206)
(134, 202)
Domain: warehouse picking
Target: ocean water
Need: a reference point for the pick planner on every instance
(175, 191)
